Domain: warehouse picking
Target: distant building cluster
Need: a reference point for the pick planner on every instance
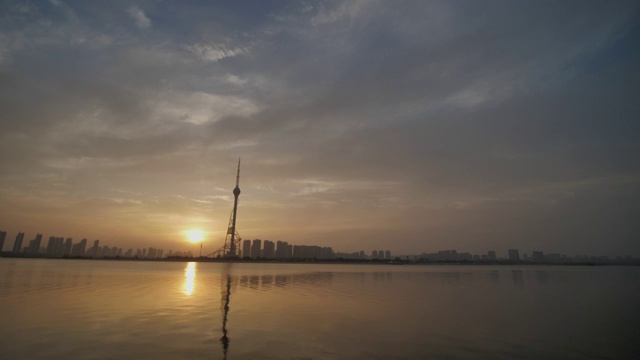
(258, 249)
(57, 247)
(360, 255)
(513, 256)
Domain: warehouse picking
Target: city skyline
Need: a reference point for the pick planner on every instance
(57, 247)
(360, 124)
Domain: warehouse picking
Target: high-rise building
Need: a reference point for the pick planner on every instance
(537, 256)
(279, 249)
(59, 247)
(50, 245)
(491, 255)
(387, 255)
(94, 252)
(269, 249)
(255, 248)
(55, 247)
(374, 254)
(298, 251)
(80, 248)
(66, 249)
(34, 245)
(3, 235)
(327, 253)
(246, 248)
(514, 255)
(17, 245)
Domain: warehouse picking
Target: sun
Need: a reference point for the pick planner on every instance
(194, 235)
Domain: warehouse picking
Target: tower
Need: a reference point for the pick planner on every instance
(232, 246)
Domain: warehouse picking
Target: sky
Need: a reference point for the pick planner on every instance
(412, 126)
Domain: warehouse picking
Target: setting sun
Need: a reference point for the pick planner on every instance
(194, 235)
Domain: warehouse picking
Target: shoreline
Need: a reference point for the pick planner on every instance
(396, 261)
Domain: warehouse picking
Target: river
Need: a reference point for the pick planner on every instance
(89, 309)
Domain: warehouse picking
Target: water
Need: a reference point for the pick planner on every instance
(79, 309)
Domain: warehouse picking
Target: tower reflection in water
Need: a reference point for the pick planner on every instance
(225, 290)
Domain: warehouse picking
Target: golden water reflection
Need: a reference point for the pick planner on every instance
(189, 278)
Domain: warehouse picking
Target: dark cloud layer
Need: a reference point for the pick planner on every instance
(411, 125)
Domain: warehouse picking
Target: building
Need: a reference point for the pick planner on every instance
(269, 249)
(387, 255)
(374, 254)
(246, 248)
(255, 248)
(55, 247)
(3, 235)
(79, 249)
(95, 249)
(537, 256)
(66, 248)
(17, 245)
(491, 255)
(327, 253)
(554, 257)
(34, 245)
(281, 249)
(514, 255)
(312, 252)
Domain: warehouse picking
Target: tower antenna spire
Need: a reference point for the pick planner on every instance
(238, 176)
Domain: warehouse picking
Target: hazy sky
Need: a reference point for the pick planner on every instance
(403, 125)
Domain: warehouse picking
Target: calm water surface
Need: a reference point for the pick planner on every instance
(78, 309)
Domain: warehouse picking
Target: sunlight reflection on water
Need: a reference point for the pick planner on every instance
(189, 278)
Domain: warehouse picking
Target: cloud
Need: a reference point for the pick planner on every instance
(345, 10)
(357, 116)
(139, 17)
(213, 53)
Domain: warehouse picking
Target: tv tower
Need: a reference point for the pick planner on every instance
(232, 228)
